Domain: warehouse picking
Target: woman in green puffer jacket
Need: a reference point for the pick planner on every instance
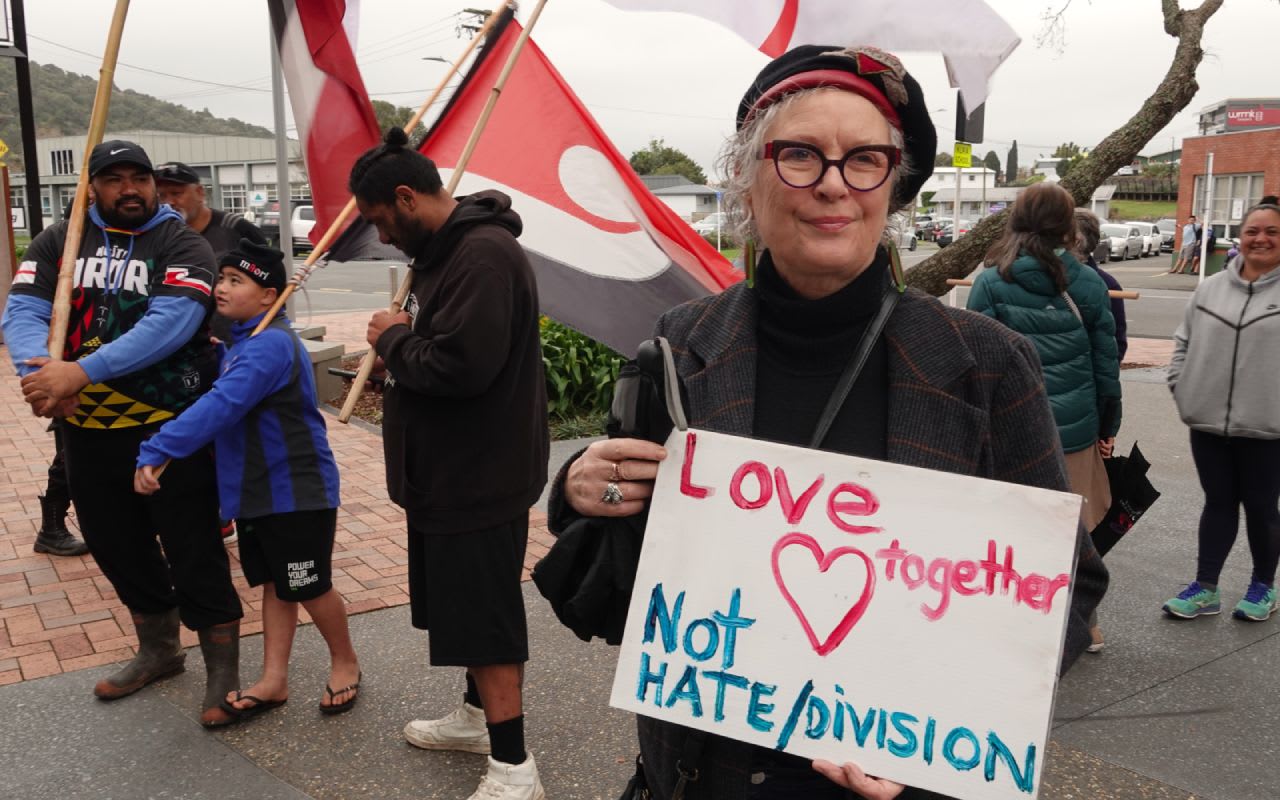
(1040, 290)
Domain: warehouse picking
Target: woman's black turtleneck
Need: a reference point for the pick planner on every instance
(804, 347)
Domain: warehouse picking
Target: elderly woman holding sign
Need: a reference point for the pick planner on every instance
(830, 143)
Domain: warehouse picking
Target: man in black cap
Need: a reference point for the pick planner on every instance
(179, 185)
(137, 353)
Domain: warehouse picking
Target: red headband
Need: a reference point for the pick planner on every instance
(828, 77)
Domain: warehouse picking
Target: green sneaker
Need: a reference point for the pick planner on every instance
(1194, 601)
(1257, 603)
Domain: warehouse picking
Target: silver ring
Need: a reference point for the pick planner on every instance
(612, 494)
(616, 475)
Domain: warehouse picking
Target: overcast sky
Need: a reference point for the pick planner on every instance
(680, 77)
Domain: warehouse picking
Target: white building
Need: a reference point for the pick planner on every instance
(691, 201)
(943, 179)
(234, 169)
(1048, 167)
(972, 208)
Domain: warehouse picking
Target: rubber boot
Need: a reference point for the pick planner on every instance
(220, 645)
(159, 655)
(54, 538)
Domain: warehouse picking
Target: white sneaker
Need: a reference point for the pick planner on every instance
(462, 729)
(510, 782)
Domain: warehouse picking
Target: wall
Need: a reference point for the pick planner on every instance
(1244, 152)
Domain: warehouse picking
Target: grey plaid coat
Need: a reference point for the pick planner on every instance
(966, 395)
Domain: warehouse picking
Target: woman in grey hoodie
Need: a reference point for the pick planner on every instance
(1225, 377)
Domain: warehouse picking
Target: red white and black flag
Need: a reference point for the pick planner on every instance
(320, 70)
(609, 257)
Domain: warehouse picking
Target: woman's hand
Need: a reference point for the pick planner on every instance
(1107, 446)
(630, 464)
(851, 777)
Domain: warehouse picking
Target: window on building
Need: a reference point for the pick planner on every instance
(300, 192)
(971, 178)
(46, 205)
(62, 162)
(1233, 195)
(17, 197)
(234, 198)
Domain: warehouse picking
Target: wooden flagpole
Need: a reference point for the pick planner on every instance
(366, 366)
(338, 224)
(75, 226)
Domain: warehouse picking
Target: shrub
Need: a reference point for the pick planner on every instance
(580, 372)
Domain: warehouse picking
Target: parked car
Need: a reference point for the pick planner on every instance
(1168, 231)
(950, 234)
(1150, 237)
(1126, 240)
(904, 234)
(302, 218)
(936, 227)
(924, 226)
(711, 223)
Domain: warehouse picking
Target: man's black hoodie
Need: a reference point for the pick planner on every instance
(465, 416)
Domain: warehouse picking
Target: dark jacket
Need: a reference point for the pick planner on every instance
(1081, 368)
(1117, 309)
(951, 375)
(465, 412)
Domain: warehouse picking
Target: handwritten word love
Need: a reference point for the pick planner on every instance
(752, 486)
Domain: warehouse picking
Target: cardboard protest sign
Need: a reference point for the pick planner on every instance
(834, 607)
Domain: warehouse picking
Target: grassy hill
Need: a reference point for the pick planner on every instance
(63, 101)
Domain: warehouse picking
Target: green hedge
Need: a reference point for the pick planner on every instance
(580, 372)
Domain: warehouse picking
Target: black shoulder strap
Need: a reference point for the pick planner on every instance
(851, 372)
(687, 766)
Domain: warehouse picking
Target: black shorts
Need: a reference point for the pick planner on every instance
(292, 550)
(464, 590)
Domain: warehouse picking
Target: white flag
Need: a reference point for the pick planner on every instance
(972, 50)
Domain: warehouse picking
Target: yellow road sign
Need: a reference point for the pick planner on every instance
(4, 148)
(963, 155)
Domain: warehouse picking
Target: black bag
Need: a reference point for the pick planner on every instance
(588, 574)
(1131, 495)
(638, 787)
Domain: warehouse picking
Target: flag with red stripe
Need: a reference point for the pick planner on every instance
(609, 256)
(331, 108)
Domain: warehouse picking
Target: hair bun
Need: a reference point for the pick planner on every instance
(395, 137)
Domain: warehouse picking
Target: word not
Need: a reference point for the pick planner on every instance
(753, 485)
(946, 576)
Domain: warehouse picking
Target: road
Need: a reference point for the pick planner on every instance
(366, 285)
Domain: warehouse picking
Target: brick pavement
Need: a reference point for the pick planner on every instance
(60, 614)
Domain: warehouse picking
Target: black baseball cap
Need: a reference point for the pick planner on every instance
(176, 172)
(118, 151)
(264, 265)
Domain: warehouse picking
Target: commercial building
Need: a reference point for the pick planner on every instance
(1246, 166)
(238, 172)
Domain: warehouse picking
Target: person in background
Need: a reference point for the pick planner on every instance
(830, 142)
(1190, 235)
(1040, 290)
(1225, 378)
(1088, 235)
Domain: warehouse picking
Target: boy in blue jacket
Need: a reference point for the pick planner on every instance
(276, 477)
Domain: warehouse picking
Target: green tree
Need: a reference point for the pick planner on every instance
(1069, 163)
(992, 162)
(1067, 150)
(389, 115)
(942, 160)
(1011, 164)
(661, 159)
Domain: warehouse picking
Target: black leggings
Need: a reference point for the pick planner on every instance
(1236, 471)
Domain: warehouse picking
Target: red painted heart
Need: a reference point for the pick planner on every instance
(825, 561)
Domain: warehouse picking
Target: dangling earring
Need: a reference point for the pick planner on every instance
(749, 262)
(895, 268)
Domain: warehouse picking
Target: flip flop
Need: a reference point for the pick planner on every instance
(249, 712)
(338, 708)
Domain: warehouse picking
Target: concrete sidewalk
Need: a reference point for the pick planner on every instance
(1169, 711)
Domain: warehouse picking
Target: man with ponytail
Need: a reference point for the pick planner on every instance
(466, 442)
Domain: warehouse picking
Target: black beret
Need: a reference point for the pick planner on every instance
(264, 265)
(872, 73)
